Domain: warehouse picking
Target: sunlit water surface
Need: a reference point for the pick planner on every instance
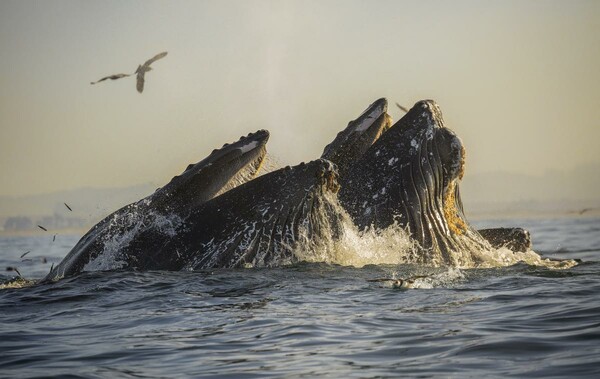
(308, 320)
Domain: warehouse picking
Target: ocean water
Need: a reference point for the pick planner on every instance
(310, 319)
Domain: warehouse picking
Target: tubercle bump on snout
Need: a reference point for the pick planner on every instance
(431, 110)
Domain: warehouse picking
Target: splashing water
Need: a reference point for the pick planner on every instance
(113, 256)
(506, 257)
(393, 245)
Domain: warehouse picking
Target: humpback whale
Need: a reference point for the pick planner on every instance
(352, 142)
(409, 177)
(216, 214)
(221, 171)
(258, 224)
(515, 239)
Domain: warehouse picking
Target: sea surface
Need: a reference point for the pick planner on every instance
(308, 320)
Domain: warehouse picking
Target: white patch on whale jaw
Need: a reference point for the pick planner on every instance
(368, 121)
(248, 147)
(374, 113)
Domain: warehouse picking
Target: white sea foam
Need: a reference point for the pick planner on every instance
(127, 227)
(393, 245)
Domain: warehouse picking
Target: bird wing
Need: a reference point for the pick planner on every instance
(155, 58)
(140, 81)
(111, 77)
(404, 109)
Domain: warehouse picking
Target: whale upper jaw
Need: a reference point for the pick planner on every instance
(224, 169)
(357, 127)
(352, 142)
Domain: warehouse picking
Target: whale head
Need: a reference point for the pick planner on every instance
(224, 169)
(410, 177)
(352, 142)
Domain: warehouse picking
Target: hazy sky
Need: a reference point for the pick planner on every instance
(518, 81)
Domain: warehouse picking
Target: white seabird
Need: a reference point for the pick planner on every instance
(140, 72)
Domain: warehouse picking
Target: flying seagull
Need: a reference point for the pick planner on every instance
(143, 68)
(140, 72)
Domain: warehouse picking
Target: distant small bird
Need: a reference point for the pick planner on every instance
(140, 72)
(54, 238)
(24, 254)
(404, 109)
(11, 268)
(41, 227)
(67, 205)
(584, 210)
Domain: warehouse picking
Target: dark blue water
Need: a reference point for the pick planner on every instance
(308, 320)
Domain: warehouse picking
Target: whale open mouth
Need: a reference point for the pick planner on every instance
(243, 161)
(410, 177)
(222, 170)
(272, 215)
(432, 163)
(352, 142)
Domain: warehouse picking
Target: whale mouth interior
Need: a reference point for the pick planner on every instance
(239, 163)
(241, 166)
